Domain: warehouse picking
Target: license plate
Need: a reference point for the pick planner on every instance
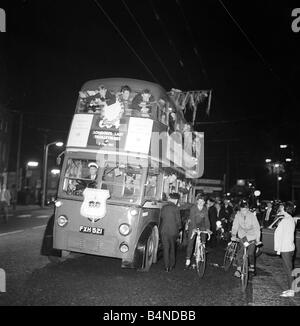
(91, 230)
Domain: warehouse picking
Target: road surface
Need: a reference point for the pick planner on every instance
(88, 280)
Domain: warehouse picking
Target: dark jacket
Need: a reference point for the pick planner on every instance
(226, 212)
(170, 221)
(199, 219)
(213, 217)
(272, 216)
(82, 184)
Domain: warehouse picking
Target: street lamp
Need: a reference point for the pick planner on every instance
(46, 148)
(31, 183)
(290, 158)
(276, 168)
(257, 193)
(33, 164)
(55, 171)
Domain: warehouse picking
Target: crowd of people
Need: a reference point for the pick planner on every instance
(238, 220)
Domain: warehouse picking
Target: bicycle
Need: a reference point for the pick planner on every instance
(230, 257)
(199, 252)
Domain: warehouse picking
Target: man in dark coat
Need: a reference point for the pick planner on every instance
(198, 220)
(269, 215)
(170, 224)
(226, 215)
(213, 217)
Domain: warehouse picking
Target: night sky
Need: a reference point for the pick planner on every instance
(52, 47)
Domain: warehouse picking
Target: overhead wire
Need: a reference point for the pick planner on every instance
(125, 40)
(268, 66)
(195, 48)
(249, 41)
(150, 44)
(171, 43)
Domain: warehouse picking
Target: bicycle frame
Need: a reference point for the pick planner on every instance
(199, 246)
(244, 266)
(231, 251)
(199, 252)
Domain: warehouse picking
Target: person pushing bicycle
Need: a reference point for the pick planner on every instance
(198, 219)
(247, 228)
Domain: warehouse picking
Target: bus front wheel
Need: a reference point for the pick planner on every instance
(59, 259)
(149, 254)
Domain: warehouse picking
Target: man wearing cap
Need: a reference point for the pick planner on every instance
(170, 224)
(93, 171)
(82, 184)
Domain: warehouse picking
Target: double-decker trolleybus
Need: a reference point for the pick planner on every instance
(129, 147)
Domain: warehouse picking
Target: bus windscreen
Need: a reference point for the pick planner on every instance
(124, 181)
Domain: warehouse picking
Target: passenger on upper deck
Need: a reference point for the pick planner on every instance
(143, 103)
(95, 101)
(125, 100)
(172, 122)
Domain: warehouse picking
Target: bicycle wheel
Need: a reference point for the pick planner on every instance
(201, 261)
(228, 258)
(244, 273)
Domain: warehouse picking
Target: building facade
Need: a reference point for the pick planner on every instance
(5, 136)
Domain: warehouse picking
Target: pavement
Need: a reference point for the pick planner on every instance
(271, 281)
(27, 208)
(24, 217)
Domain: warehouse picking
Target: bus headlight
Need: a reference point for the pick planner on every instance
(124, 229)
(134, 212)
(62, 220)
(124, 247)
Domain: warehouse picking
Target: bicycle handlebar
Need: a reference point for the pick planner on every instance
(247, 243)
(198, 231)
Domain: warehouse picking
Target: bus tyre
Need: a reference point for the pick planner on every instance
(57, 259)
(149, 254)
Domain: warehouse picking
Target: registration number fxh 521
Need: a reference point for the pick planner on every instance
(92, 230)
